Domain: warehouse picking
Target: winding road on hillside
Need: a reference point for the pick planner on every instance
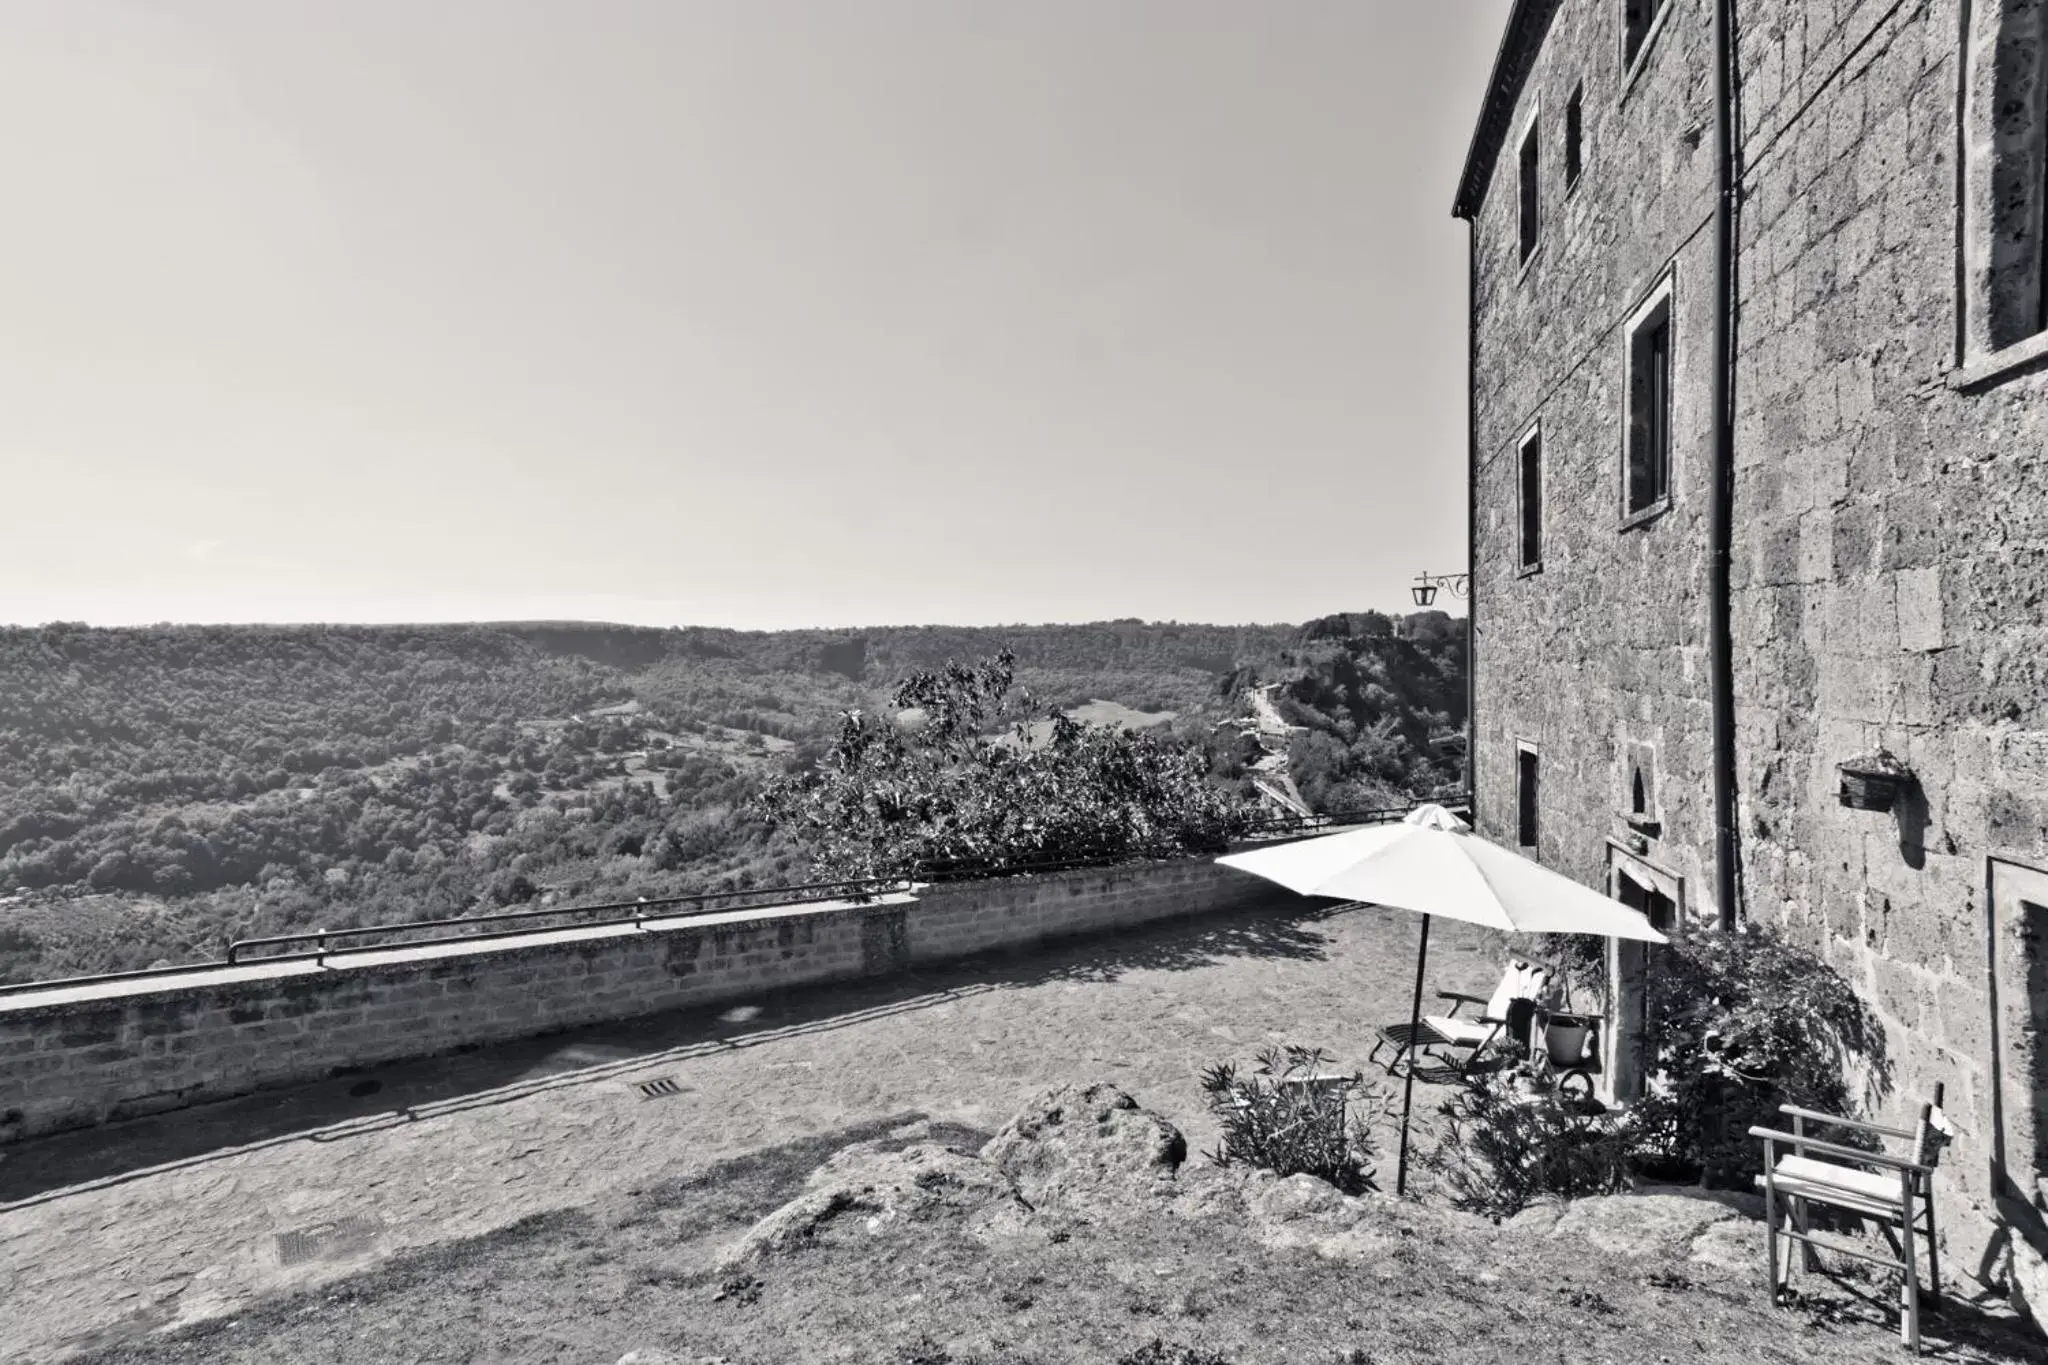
(1270, 776)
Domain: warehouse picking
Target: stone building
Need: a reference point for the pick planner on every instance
(1759, 455)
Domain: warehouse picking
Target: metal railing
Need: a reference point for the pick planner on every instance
(246, 952)
(633, 912)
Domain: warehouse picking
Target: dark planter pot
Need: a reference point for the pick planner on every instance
(1565, 1039)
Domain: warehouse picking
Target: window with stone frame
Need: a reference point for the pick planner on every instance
(2011, 156)
(1574, 136)
(1525, 796)
(1531, 188)
(1650, 361)
(1638, 17)
(1531, 461)
(1637, 893)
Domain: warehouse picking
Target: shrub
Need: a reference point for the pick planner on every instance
(970, 787)
(1272, 1122)
(1743, 1021)
(1577, 962)
(1504, 1147)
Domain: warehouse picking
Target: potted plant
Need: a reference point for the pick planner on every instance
(1873, 781)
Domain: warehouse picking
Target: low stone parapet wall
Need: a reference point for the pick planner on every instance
(90, 1054)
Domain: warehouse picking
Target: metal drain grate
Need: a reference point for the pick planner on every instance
(324, 1241)
(657, 1088)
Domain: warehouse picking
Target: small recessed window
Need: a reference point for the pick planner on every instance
(1531, 183)
(1525, 797)
(1532, 499)
(1637, 17)
(1574, 136)
(1649, 404)
(1634, 890)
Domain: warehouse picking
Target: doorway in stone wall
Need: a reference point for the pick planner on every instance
(1659, 894)
(2019, 947)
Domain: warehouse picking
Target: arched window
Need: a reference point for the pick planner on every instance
(1639, 803)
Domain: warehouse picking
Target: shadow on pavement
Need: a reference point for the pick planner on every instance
(362, 1100)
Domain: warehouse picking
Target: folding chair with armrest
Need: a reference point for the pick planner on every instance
(1510, 1008)
(1894, 1192)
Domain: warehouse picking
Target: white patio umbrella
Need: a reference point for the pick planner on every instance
(1433, 864)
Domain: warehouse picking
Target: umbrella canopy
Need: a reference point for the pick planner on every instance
(1433, 864)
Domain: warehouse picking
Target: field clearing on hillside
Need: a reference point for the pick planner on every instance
(1100, 712)
(80, 917)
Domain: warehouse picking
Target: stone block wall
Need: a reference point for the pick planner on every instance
(962, 918)
(1890, 520)
(1892, 549)
(77, 1057)
(1598, 661)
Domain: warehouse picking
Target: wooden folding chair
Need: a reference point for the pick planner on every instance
(1894, 1192)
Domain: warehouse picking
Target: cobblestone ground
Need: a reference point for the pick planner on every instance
(117, 1231)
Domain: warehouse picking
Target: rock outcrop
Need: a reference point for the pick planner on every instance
(1657, 1226)
(871, 1189)
(1074, 1148)
(1302, 1211)
(1086, 1154)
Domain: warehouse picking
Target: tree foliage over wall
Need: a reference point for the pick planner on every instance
(959, 786)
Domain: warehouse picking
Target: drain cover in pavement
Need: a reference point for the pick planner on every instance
(323, 1241)
(658, 1087)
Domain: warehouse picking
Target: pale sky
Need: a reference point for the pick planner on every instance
(752, 313)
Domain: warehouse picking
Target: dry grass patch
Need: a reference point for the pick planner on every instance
(1215, 1267)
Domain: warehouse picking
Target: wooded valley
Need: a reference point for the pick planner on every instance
(165, 790)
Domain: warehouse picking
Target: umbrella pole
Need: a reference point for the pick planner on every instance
(1414, 1029)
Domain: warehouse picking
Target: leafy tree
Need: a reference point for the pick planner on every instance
(1381, 702)
(1742, 1022)
(954, 776)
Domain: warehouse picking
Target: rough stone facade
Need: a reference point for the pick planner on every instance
(1890, 517)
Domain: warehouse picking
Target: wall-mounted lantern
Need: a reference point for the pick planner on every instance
(1426, 585)
(1873, 781)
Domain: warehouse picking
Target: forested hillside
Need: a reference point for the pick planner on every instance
(1383, 706)
(164, 790)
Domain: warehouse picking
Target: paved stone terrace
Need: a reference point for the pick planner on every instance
(116, 1231)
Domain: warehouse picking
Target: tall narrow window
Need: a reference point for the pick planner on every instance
(2016, 293)
(1525, 797)
(1532, 499)
(1574, 136)
(1649, 404)
(1531, 184)
(1637, 17)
